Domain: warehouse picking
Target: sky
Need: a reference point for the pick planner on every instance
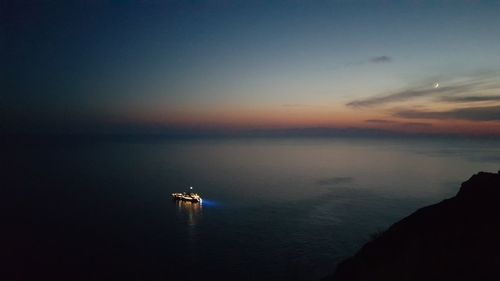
(420, 67)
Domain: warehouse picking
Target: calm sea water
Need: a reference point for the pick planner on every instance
(274, 209)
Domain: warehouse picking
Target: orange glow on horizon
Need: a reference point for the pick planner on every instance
(241, 118)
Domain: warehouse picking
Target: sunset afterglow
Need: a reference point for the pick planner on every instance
(421, 67)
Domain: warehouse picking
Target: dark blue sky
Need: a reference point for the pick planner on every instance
(101, 66)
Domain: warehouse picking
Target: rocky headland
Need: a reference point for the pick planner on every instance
(456, 239)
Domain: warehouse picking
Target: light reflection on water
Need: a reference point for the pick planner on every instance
(193, 211)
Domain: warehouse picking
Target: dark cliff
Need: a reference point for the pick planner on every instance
(456, 239)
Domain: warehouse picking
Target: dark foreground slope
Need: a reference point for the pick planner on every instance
(456, 239)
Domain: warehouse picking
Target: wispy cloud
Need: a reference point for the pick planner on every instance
(415, 124)
(380, 121)
(409, 94)
(463, 99)
(381, 59)
(373, 60)
(398, 123)
(487, 113)
(484, 86)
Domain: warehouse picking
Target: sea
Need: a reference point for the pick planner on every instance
(276, 208)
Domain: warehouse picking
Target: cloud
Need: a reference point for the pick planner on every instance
(381, 59)
(470, 99)
(372, 60)
(415, 124)
(397, 123)
(487, 113)
(409, 94)
(482, 86)
(380, 121)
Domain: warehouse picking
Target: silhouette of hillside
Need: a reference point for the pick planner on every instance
(456, 239)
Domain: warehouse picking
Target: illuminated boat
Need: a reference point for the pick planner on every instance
(187, 196)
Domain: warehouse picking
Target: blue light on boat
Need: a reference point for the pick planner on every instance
(209, 203)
